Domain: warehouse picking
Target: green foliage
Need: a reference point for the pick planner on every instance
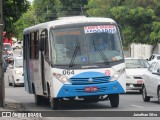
(12, 11)
(139, 19)
(26, 20)
(70, 7)
(46, 10)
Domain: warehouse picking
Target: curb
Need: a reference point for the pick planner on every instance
(13, 105)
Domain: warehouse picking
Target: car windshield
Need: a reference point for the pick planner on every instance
(86, 45)
(7, 46)
(18, 63)
(136, 63)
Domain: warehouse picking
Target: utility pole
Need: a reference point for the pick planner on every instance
(2, 95)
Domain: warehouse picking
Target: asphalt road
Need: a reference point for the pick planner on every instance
(131, 101)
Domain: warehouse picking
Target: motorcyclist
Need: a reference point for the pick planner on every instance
(5, 54)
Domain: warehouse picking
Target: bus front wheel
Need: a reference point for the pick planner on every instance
(38, 99)
(114, 100)
(54, 103)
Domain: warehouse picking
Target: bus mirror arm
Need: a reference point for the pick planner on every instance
(122, 38)
(41, 44)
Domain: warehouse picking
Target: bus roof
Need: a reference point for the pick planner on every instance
(68, 21)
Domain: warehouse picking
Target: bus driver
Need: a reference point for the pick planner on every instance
(99, 45)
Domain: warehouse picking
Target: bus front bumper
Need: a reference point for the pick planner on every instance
(80, 90)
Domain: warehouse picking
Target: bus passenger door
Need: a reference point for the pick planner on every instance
(26, 63)
(43, 39)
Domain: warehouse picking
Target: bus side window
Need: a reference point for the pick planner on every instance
(32, 45)
(46, 45)
(24, 46)
(36, 43)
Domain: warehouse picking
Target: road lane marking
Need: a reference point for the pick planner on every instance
(137, 106)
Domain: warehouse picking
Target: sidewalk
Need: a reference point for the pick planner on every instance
(11, 105)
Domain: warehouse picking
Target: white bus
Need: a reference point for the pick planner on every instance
(63, 60)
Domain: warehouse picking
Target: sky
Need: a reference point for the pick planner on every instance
(31, 0)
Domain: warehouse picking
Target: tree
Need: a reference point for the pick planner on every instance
(12, 11)
(46, 10)
(26, 20)
(71, 7)
(137, 18)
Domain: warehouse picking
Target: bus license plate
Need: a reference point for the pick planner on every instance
(139, 82)
(91, 89)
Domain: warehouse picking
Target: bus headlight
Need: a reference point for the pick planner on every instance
(114, 77)
(61, 78)
(117, 74)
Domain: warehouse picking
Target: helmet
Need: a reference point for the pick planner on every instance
(5, 49)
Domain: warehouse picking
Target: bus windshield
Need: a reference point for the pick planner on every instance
(86, 45)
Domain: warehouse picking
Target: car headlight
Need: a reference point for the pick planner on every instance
(128, 77)
(17, 72)
(117, 74)
(61, 78)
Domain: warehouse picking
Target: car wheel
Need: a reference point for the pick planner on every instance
(144, 95)
(54, 102)
(14, 85)
(10, 84)
(140, 91)
(114, 100)
(158, 94)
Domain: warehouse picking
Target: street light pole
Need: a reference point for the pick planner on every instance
(2, 95)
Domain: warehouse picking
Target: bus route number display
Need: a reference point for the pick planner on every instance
(100, 29)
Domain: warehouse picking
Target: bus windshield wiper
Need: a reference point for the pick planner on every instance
(103, 55)
(74, 55)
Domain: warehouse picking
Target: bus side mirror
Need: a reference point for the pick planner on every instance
(41, 43)
(120, 29)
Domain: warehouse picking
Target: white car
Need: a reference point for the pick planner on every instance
(16, 78)
(135, 68)
(151, 86)
(154, 58)
(17, 45)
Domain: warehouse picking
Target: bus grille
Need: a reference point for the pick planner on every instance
(94, 80)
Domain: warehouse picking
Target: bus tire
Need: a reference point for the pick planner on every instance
(158, 94)
(38, 99)
(54, 103)
(114, 100)
(144, 94)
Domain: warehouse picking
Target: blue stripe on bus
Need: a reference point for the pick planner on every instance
(78, 90)
(95, 77)
(89, 74)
